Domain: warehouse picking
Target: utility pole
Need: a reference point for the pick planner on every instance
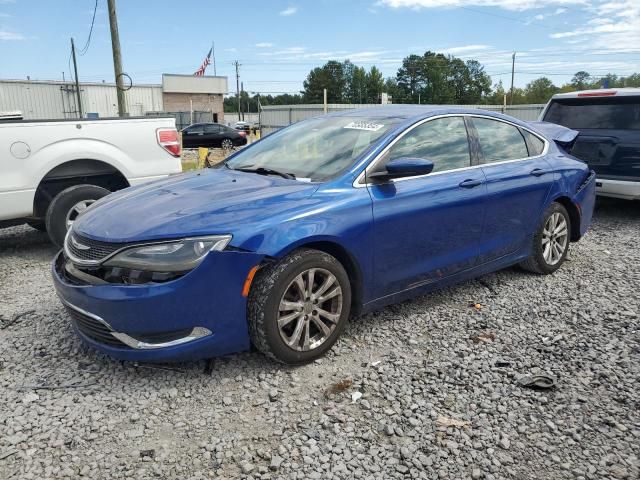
(213, 54)
(513, 71)
(75, 70)
(237, 65)
(117, 57)
(242, 90)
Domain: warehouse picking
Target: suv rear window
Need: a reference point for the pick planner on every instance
(622, 113)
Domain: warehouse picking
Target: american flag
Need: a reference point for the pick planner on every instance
(205, 63)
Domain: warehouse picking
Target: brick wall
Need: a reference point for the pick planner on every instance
(181, 102)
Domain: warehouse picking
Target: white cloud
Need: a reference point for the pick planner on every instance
(289, 11)
(560, 11)
(615, 27)
(539, 17)
(506, 4)
(264, 45)
(4, 35)
(463, 49)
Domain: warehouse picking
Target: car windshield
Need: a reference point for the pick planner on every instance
(314, 150)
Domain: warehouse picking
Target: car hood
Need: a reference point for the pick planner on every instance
(206, 202)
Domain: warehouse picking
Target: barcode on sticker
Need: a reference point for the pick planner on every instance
(372, 127)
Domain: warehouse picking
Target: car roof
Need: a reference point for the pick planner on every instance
(414, 113)
(600, 92)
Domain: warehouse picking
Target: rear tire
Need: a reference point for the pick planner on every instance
(65, 207)
(297, 330)
(227, 144)
(550, 242)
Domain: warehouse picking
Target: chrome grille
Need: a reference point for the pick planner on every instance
(85, 249)
(93, 329)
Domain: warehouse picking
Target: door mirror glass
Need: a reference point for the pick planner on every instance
(404, 167)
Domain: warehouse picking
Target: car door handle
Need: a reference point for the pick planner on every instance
(470, 183)
(537, 172)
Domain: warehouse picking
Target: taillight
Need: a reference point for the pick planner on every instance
(242, 134)
(168, 139)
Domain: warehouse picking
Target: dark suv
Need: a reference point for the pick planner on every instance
(609, 124)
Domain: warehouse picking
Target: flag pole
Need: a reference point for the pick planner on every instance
(213, 54)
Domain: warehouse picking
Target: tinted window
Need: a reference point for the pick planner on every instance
(194, 130)
(499, 141)
(622, 113)
(534, 144)
(210, 128)
(443, 141)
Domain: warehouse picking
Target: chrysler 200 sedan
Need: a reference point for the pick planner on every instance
(332, 216)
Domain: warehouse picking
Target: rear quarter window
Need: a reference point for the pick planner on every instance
(621, 113)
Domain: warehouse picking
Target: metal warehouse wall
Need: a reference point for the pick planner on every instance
(55, 99)
(275, 117)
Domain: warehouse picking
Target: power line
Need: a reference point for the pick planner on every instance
(93, 20)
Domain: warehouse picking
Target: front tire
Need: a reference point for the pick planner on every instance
(550, 242)
(66, 206)
(298, 307)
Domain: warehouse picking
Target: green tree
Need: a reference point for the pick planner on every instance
(540, 90)
(330, 76)
(374, 85)
(581, 80)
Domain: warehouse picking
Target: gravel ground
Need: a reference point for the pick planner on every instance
(438, 378)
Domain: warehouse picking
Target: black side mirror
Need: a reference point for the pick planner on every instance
(403, 167)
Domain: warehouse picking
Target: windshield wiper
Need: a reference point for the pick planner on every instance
(266, 171)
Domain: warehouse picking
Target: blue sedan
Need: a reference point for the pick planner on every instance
(332, 216)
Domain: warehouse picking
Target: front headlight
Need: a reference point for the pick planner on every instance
(179, 256)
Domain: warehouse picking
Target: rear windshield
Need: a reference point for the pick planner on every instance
(622, 113)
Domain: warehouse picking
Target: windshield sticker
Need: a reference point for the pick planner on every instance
(371, 127)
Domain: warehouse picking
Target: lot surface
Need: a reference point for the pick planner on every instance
(68, 412)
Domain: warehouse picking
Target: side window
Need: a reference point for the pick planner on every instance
(499, 141)
(535, 145)
(211, 128)
(195, 130)
(443, 141)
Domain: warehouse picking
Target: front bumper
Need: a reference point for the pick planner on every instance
(199, 315)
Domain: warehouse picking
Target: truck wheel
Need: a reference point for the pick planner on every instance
(66, 206)
(38, 225)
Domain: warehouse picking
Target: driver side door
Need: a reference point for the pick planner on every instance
(427, 227)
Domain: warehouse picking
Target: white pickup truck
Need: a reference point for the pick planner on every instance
(51, 170)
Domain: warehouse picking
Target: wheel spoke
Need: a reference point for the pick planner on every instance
(310, 279)
(294, 340)
(330, 280)
(286, 319)
(287, 306)
(306, 343)
(331, 294)
(299, 281)
(333, 317)
(321, 325)
(546, 252)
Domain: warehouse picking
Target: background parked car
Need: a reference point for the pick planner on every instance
(212, 135)
(609, 141)
(247, 126)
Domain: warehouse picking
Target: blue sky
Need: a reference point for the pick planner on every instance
(278, 42)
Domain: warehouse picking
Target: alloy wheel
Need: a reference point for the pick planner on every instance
(227, 144)
(76, 210)
(310, 309)
(555, 238)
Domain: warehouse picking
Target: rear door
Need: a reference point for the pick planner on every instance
(212, 135)
(428, 227)
(518, 181)
(609, 129)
